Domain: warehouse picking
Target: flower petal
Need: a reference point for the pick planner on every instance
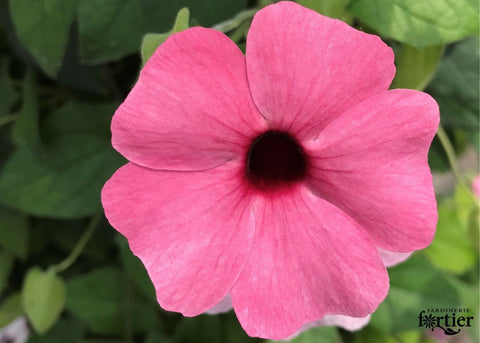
(305, 69)
(223, 306)
(17, 331)
(191, 108)
(372, 163)
(392, 258)
(192, 230)
(476, 186)
(345, 322)
(308, 259)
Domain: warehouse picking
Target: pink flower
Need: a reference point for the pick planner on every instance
(17, 331)
(476, 186)
(271, 181)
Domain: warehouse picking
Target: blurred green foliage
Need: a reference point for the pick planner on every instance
(65, 65)
(43, 298)
(419, 23)
(151, 41)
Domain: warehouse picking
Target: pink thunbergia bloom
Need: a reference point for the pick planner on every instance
(16, 331)
(476, 186)
(274, 181)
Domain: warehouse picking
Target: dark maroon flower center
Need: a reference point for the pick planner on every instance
(275, 158)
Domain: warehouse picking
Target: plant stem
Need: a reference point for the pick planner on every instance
(8, 118)
(240, 32)
(452, 159)
(449, 150)
(77, 250)
(235, 22)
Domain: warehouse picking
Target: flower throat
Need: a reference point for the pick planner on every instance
(274, 159)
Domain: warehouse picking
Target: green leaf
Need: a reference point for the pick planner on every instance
(43, 298)
(182, 20)
(13, 232)
(451, 249)
(6, 144)
(419, 23)
(201, 329)
(211, 12)
(136, 269)
(77, 76)
(86, 119)
(415, 67)
(68, 187)
(8, 95)
(6, 265)
(207, 328)
(455, 86)
(39, 239)
(156, 337)
(26, 132)
(437, 158)
(105, 301)
(151, 41)
(42, 26)
(414, 286)
(66, 180)
(464, 204)
(65, 331)
(412, 336)
(371, 335)
(233, 330)
(10, 309)
(330, 8)
(111, 29)
(470, 299)
(322, 334)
